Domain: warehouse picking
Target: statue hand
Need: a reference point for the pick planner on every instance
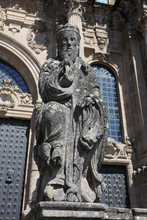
(66, 62)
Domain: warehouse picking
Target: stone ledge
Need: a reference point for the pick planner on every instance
(139, 214)
(81, 211)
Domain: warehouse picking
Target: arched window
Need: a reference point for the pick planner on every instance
(107, 84)
(9, 73)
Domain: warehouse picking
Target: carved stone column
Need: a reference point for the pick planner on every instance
(75, 18)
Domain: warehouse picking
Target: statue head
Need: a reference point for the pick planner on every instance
(68, 41)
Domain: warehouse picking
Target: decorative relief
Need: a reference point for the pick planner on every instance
(115, 149)
(102, 40)
(97, 39)
(2, 19)
(14, 28)
(118, 150)
(26, 98)
(10, 96)
(37, 37)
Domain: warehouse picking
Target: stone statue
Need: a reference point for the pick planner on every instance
(71, 125)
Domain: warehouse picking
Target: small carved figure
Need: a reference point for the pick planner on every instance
(71, 125)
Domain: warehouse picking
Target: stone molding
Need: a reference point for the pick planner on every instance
(52, 210)
(16, 18)
(102, 41)
(96, 39)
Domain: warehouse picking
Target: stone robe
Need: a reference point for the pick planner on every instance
(71, 131)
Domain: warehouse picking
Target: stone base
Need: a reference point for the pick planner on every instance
(78, 211)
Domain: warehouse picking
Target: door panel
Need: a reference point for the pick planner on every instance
(13, 147)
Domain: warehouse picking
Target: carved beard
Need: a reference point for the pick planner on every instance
(68, 53)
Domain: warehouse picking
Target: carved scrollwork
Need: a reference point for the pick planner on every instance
(26, 98)
(10, 96)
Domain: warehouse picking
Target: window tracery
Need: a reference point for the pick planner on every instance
(108, 87)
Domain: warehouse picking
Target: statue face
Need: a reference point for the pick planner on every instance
(68, 45)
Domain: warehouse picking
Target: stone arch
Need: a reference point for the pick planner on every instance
(23, 61)
(109, 66)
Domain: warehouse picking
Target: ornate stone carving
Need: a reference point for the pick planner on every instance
(37, 37)
(26, 98)
(96, 39)
(71, 125)
(102, 39)
(2, 19)
(14, 28)
(115, 149)
(101, 42)
(10, 96)
(118, 150)
(7, 96)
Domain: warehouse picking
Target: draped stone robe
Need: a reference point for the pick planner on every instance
(71, 131)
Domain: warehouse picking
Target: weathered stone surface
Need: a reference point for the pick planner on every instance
(139, 214)
(71, 126)
(81, 211)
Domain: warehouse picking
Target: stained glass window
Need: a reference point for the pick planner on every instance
(107, 84)
(9, 73)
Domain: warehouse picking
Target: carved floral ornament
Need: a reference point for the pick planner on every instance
(11, 97)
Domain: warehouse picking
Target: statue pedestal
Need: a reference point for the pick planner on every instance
(78, 211)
